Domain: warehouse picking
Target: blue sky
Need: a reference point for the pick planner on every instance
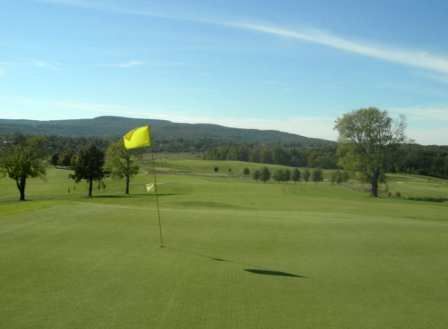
(287, 65)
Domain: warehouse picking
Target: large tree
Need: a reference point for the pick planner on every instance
(89, 166)
(369, 142)
(120, 162)
(21, 158)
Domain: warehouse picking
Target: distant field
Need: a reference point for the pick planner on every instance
(237, 254)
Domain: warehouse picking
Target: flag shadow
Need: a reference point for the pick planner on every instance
(260, 270)
(275, 273)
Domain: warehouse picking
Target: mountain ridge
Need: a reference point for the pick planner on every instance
(104, 126)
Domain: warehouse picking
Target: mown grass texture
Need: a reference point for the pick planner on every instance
(237, 255)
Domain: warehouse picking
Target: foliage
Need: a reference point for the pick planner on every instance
(120, 162)
(265, 174)
(279, 175)
(306, 175)
(317, 175)
(339, 177)
(256, 175)
(324, 156)
(89, 166)
(296, 175)
(369, 142)
(246, 171)
(22, 158)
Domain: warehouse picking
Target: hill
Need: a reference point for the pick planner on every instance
(118, 126)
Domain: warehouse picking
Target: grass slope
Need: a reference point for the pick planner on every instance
(237, 255)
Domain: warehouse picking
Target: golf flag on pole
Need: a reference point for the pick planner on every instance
(139, 137)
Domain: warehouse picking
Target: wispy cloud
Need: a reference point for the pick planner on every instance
(435, 77)
(152, 63)
(33, 62)
(421, 59)
(126, 65)
(414, 58)
(438, 113)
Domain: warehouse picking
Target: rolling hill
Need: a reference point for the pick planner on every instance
(118, 126)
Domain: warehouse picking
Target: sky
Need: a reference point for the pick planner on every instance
(289, 65)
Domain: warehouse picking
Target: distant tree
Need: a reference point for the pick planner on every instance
(89, 166)
(266, 156)
(54, 159)
(279, 175)
(287, 177)
(216, 169)
(66, 158)
(256, 175)
(120, 162)
(317, 175)
(369, 142)
(265, 175)
(306, 175)
(339, 177)
(295, 177)
(22, 158)
(246, 171)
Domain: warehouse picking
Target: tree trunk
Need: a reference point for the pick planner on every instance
(21, 183)
(90, 187)
(127, 173)
(127, 184)
(374, 183)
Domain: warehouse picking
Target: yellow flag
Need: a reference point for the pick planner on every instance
(139, 137)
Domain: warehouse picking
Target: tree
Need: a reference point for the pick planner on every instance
(22, 158)
(215, 169)
(369, 142)
(119, 161)
(54, 159)
(89, 166)
(279, 175)
(295, 177)
(317, 175)
(265, 175)
(246, 171)
(306, 175)
(287, 177)
(256, 175)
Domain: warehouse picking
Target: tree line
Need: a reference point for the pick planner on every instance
(324, 157)
(370, 143)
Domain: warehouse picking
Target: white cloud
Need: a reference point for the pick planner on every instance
(414, 58)
(421, 59)
(438, 114)
(125, 65)
(33, 62)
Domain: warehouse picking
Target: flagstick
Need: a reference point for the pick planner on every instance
(157, 196)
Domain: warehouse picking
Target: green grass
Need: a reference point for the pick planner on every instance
(237, 255)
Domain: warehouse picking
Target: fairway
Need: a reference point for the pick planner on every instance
(237, 255)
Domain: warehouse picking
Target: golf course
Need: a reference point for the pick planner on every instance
(236, 253)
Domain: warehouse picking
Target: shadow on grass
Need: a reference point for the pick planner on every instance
(259, 271)
(134, 195)
(275, 273)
